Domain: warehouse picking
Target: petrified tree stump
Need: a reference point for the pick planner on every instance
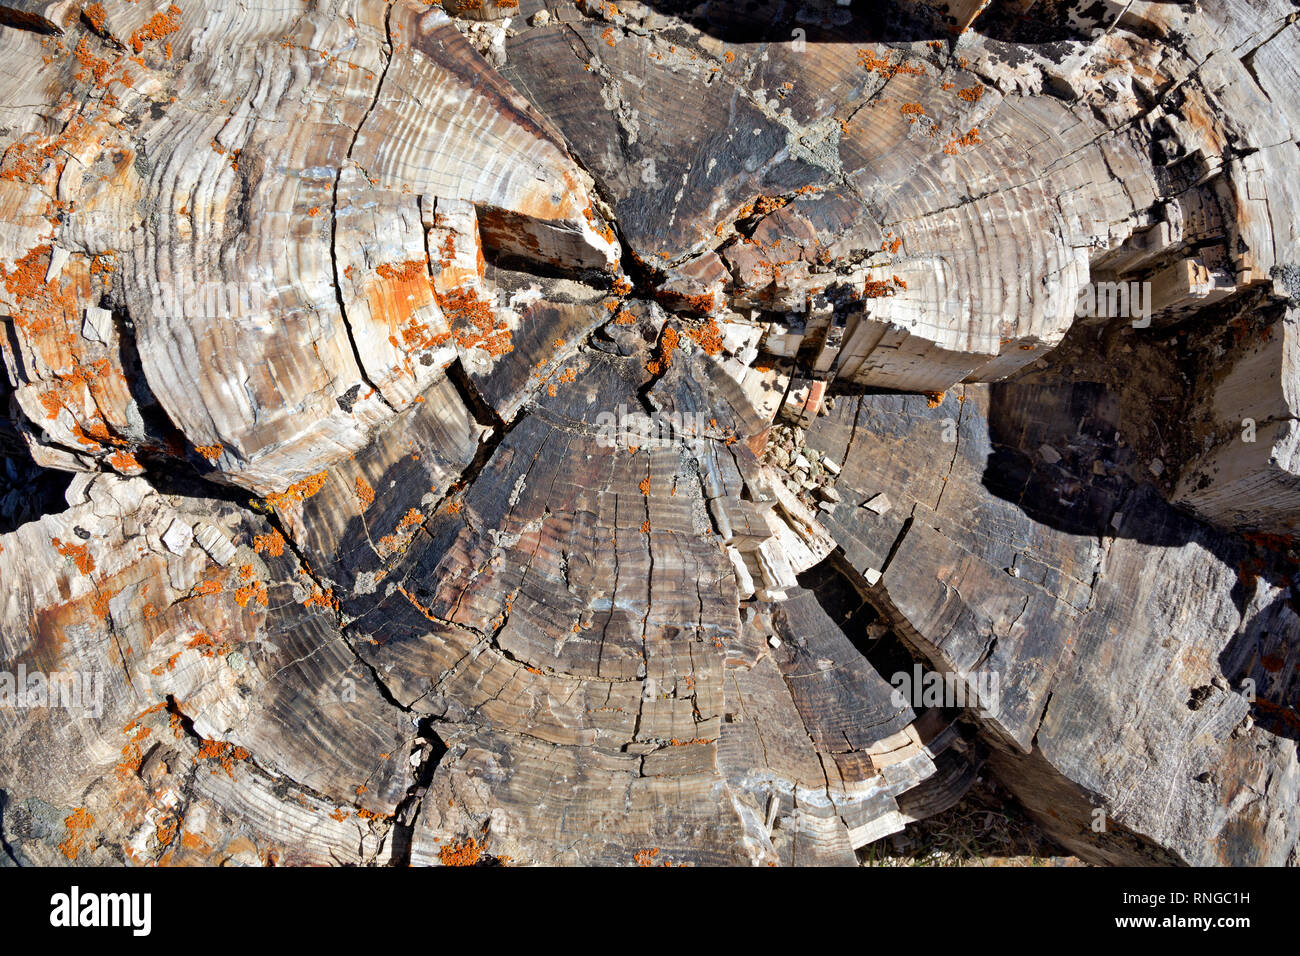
(543, 432)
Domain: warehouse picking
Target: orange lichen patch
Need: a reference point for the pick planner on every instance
(321, 598)
(971, 138)
(971, 94)
(646, 857)
(667, 345)
(464, 853)
(473, 323)
(223, 753)
(645, 526)
(365, 494)
(314, 211)
(761, 206)
(94, 67)
(707, 336)
(624, 318)
(912, 111)
(454, 507)
(408, 271)
(78, 552)
(254, 590)
(132, 755)
(77, 823)
(877, 288)
(595, 224)
(166, 828)
(622, 286)
(168, 666)
(934, 399)
(271, 543)
(99, 606)
(729, 57)
(156, 27)
(103, 264)
(566, 376)
(645, 486)
(299, 490)
(202, 643)
(38, 304)
(210, 452)
(96, 434)
(886, 67)
(205, 588)
(124, 461)
(97, 16)
(608, 36)
(412, 519)
(406, 289)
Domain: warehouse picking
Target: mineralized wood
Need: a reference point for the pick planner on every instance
(544, 432)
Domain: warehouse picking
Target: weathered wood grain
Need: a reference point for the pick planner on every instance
(544, 432)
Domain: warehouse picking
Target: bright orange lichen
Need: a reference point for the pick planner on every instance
(971, 138)
(210, 452)
(165, 828)
(99, 606)
(885, 67)
(79, 554)
(877, 288)
(299, 490)
(271, 543)
(248, 592)
(365, 493)
(464, 853)
(321, 598)
(223, 753)
(157, 27)
(667, 345)
(707, 336)
(473, 323)
(124, 461)
(78, 823)
(97, 16)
